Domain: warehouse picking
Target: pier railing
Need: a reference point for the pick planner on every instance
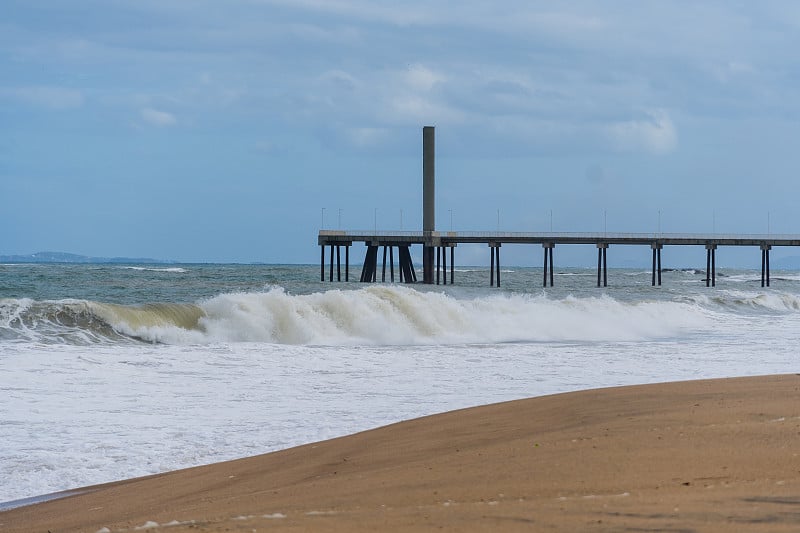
(605, 237)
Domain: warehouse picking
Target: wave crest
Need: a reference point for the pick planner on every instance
(376, 315)
(397, 315)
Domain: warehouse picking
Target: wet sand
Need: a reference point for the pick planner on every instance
(714, 455)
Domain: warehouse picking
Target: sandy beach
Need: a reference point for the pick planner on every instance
(713, 455)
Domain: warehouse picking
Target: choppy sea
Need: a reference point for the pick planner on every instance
(115, 371)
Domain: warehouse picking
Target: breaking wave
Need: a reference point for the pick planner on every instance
(381, 315)
(377, 315)
(177, 270)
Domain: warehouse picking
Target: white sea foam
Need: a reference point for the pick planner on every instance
(177, 270)
(741, 300)
(378, 315)
(396, 315)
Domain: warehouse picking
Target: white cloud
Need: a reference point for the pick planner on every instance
(340, 79)
(655, 133)
(366, 137)
(412, 109)
(158, 118)
(421, 78)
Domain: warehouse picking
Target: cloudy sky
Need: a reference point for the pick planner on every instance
(219, 131)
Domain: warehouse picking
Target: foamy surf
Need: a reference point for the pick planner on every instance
(176, 270)
(376, 315)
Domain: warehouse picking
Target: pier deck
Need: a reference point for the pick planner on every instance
(445, 238)
(442, 240)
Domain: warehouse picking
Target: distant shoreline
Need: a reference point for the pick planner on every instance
(64, 257)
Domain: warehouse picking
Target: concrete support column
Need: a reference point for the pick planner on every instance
(711, 265)
(602, 263)
(428, 259)
(656, 262)
(438, 265)
(444, 265)
(452, 263)
(322, 262)
(494, 274)
(548, 253)
(338, 262)
(383, 270)
(331, 277)
(391, 262)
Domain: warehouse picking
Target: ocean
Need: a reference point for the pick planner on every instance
(116, 371)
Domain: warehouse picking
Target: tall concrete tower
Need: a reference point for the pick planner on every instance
(428, 200)
(428, 178)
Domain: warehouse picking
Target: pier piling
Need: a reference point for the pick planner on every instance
(369, 270)
(331, 276)
(391, 263)
(495, 247)
(383, 269)
(711, 265)
(602, 264)
(494, 265)
(656, 247)
(444, 265)
(491, 266)
(452, 263)
(548, 255)
(438, 264)
(338, 263)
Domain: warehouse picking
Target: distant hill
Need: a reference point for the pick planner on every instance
(63, 257)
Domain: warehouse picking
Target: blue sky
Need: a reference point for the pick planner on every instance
(218, 131)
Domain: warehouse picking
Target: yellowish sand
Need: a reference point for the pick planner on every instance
(716, 455)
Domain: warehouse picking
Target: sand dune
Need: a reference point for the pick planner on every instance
(717, 455)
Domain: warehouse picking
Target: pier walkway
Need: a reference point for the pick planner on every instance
(441, 241)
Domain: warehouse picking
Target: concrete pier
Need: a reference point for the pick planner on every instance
(436, 243)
